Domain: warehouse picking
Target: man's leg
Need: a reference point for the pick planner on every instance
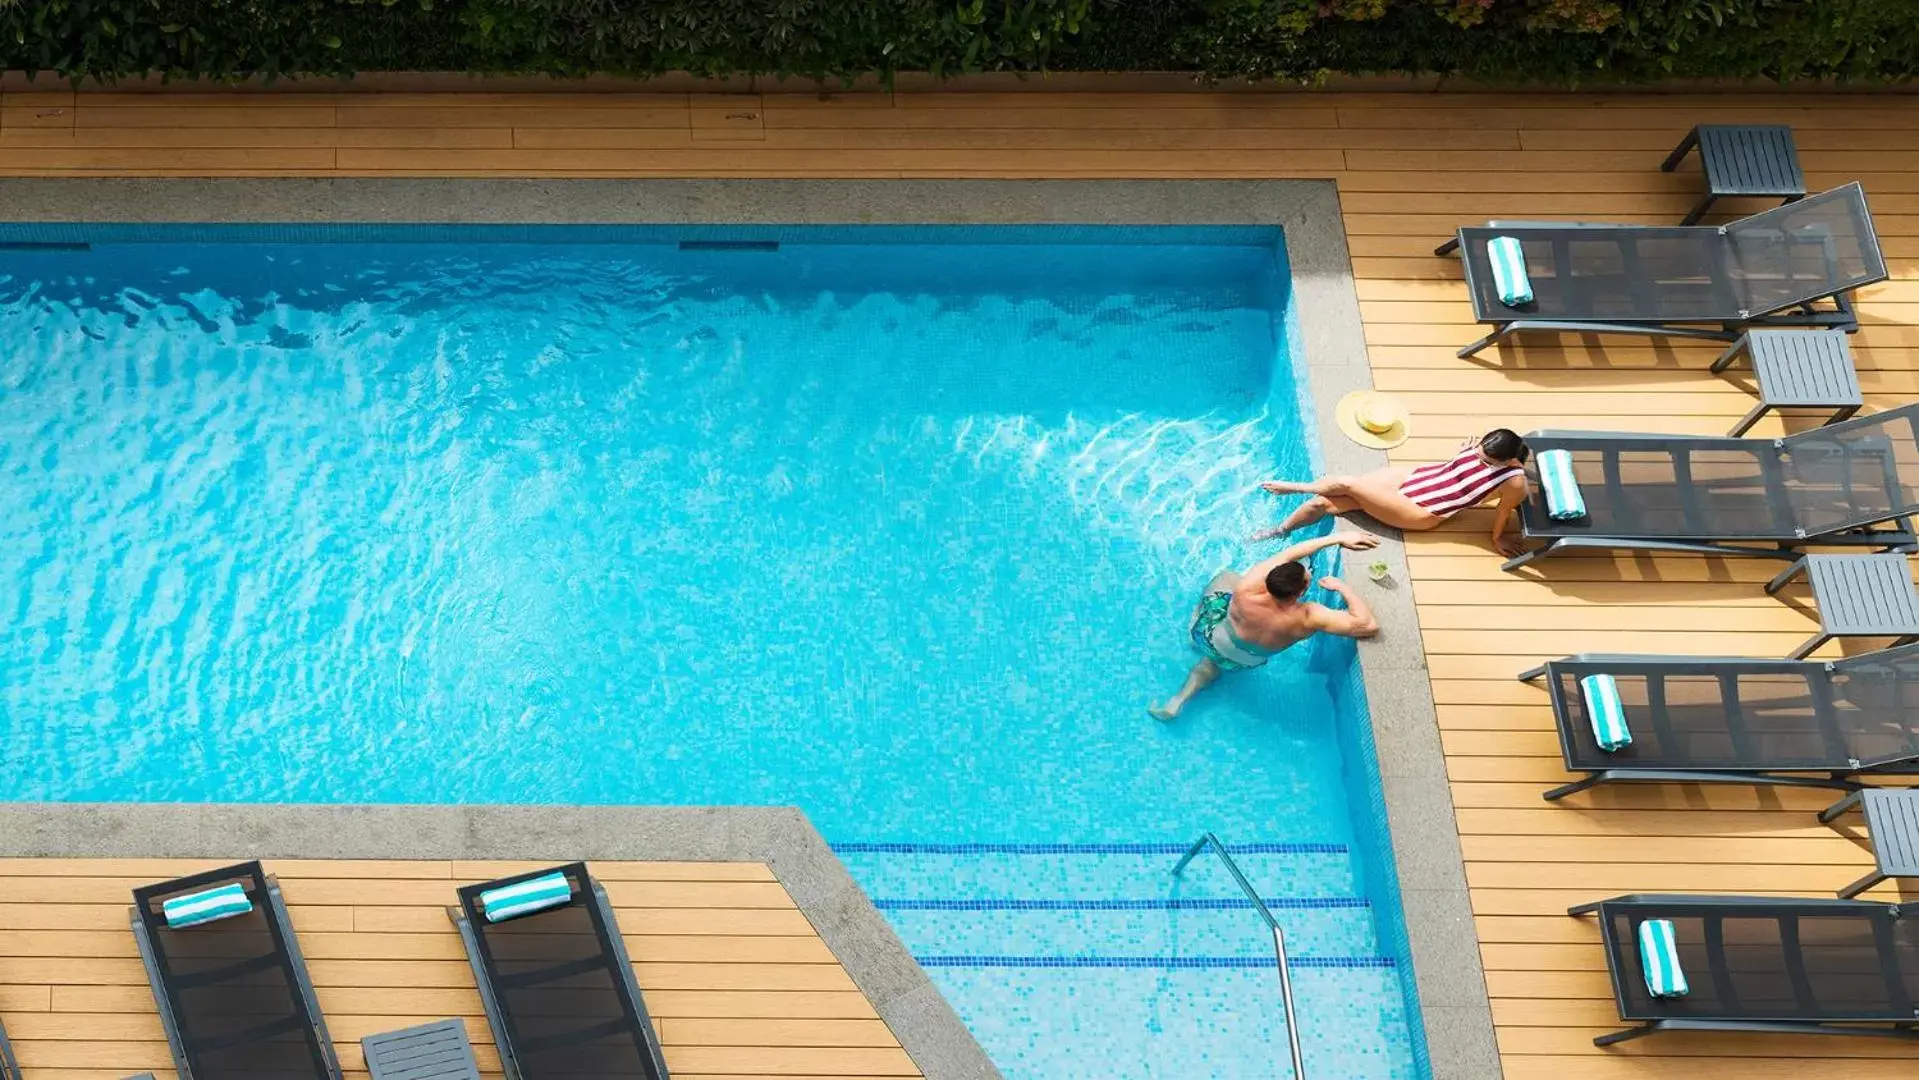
(1198, 679)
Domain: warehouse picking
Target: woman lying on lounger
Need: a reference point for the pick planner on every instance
(1418, 498)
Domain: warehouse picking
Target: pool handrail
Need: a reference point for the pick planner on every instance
(1279, 937)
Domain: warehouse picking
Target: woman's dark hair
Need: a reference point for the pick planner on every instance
(1287, 581)
(1501, 444)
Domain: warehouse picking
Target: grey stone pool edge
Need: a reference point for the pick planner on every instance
(781, 837)
(1451, 984)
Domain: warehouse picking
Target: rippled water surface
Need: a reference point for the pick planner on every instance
(870, 529)
(903, 533)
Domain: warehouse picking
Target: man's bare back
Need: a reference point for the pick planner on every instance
(1273, 625)
(1242, 620)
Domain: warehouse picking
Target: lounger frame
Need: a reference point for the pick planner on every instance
(1837, 774)
(1725, 324)
(1892, 532)
(1841, 316)
(9, 1068)
(586, 893)
(1666, 905)
(264, 891)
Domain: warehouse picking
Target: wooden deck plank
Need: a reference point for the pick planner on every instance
(744, 156)
(719, 954)
(88, 114)
(737, 979)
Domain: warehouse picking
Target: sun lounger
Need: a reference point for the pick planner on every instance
(555, 980)
(1764, 965)
(1851, 483)
(9, 1068)
(1714, 720)
(233, 992)
(1771, 269)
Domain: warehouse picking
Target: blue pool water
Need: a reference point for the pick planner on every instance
(898, 526)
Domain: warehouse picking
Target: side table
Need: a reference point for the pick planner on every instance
(1742, 159)
(1892, 821)
(1797, 369)
(1857, 596)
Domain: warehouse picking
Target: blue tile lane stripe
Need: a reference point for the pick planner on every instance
(1077, 849)
(1152, 961)
(1277, 903)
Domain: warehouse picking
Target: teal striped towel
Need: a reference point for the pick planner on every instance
(533, 894)
(1606, 712)
(207, 905)
(1563, 500)
(1509, 271)
(1659, 958)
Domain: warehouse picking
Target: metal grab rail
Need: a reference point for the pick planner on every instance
(1279, 938)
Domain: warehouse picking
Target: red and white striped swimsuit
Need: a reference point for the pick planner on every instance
(1451, 486)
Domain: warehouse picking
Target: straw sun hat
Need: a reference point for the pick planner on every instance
(1370, 418)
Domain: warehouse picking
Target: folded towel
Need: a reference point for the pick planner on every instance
(207, 905)
(1659, 959)
(1607, 713)
(1563, 500)
(534, 894)
(1509, 271)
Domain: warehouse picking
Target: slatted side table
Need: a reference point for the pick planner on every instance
(1797, 369)
(1742, 159)
(1857, 596)
(1892, 822)
(438, 1051)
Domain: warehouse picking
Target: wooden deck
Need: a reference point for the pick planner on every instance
(1410, 168)
(738, 983)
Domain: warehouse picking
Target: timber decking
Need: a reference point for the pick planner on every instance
(738, 982)
(1410, 169)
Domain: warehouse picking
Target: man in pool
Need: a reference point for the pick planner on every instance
(1242, 620)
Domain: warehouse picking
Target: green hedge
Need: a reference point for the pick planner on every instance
(1555, 41)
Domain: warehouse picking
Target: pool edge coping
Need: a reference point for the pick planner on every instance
(927, 1027)
(1427, 854)
(1428, 858)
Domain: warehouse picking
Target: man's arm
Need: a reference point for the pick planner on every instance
(1355, 541)
(1355, 622)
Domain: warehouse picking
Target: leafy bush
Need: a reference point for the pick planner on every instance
(808, 37)
(225, 38)
(1558, 41)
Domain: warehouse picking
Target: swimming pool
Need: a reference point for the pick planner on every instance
(898, 525)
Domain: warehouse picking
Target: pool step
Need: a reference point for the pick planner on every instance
(1098, 930)
(1094, 954)
(1111, 871)
(1148, 1024)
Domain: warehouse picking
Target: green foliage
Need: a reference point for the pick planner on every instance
(1556, 41)
(222, 38)
(823, 38)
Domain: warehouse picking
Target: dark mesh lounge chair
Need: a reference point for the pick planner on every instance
(233, 995)
(9, 1068)
(1770, 269)
(1767, 965)
(1710, 720)
(558, 987)
(1850, 483)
